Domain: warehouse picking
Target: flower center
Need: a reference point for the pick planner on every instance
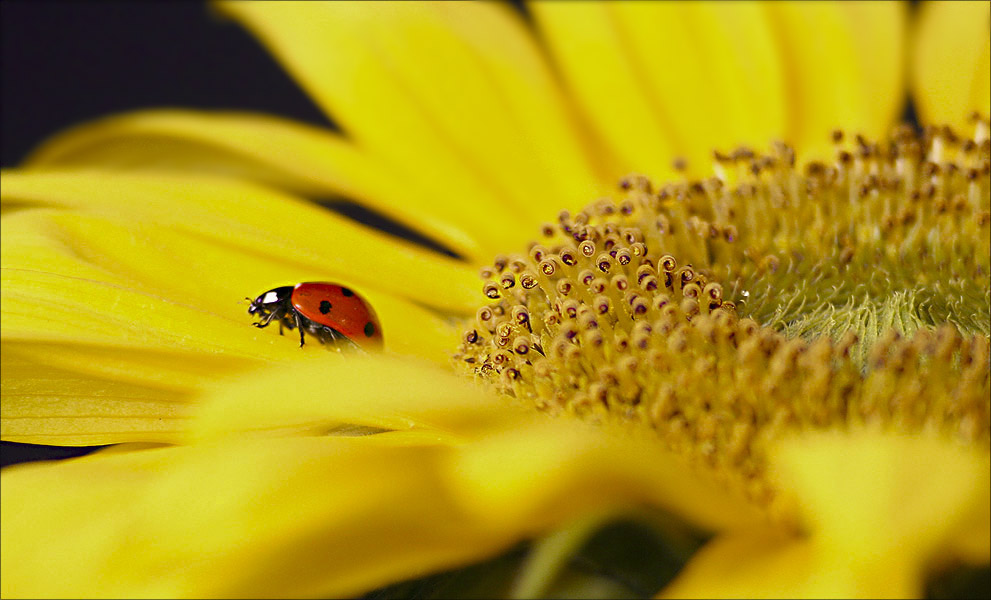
(724, 313)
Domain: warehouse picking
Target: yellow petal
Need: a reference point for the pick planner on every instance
(109, 340)
(711, 69)
(950, 62)
(480, 82)
(298, 517)
(972, 544)
(381, 71)
(39, 305)
(301, 159)
(980, 91)
(376, 392)
(881, 501)
(880, 38)
(606, 80)
(760, 563)
(256, 221)
(659, 79)
(43, 404)
(843, 62)
(545, 132)
(129, 265)
(552, 470)
(880, 512)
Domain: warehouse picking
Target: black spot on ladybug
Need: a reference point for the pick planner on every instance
(325, 307)
(369, 329)
(346, 291)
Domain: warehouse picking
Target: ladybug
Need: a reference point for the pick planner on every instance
(327, 311)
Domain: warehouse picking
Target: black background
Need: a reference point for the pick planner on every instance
(67, 62)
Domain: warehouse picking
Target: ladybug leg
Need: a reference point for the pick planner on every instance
(268, 318)
(299, 324)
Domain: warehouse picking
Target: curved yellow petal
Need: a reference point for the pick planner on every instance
(879, 510)
(711, 70)
(545, 132)
(605, 76)
(60, 306)
(376, 392)
(110, 390)
(129, 269)
(672, 78)
(291, 517)
(144, 317)
(581, 470)
(127, 315)
(843, 67)
(949, 62)
(972, 544)
(478, 78)
(45, 404)
(295, 157)
(759, 563)
(884, 500)
(257, 222)
(391, 75)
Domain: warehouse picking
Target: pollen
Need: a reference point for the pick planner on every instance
(770, 299)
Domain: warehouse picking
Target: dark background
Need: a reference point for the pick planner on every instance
(71, 61)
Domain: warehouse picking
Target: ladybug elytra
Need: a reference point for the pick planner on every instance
(327, 311)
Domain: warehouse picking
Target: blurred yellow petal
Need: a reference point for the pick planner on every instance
(843, 65)
(376, 392)
(880, 501)
(301, 159)
(950, 62)
(258, 222)
(583, 469)
(294, 517)
(880, 39)
(760, 563)
(980, 92)
(879, 510)
(390, 112)
(972, 544)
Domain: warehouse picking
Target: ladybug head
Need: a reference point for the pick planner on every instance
(270, 300)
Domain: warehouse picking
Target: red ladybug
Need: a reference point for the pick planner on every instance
(325, 310)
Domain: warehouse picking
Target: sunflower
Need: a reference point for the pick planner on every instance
(787, 361)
